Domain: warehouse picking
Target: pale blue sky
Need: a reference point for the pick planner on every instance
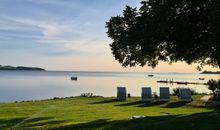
(61, 34)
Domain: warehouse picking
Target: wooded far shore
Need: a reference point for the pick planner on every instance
(20, 68)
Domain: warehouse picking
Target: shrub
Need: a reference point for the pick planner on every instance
(193, 92)
(176, 92)
(213, 85)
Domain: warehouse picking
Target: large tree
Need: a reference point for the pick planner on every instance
(167, 30)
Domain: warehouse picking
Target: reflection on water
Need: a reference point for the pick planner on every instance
(34, 85)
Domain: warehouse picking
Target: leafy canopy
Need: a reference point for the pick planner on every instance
(167, 30)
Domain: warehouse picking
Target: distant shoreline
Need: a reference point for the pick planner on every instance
(19, 68)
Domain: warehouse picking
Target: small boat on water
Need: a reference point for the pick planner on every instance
(73, 78)
(201, 78)
(150, 75)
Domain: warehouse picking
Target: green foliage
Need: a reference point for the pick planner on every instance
(215, 25)
(213, 84)
(193, 92)
(176, 92)
(174, 30)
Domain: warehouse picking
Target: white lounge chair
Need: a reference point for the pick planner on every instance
(121, 93)
(185, 94)
(146, 94)
(164, 94)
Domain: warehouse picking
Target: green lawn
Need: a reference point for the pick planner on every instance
(105, 113)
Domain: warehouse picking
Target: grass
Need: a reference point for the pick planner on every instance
(106, 114)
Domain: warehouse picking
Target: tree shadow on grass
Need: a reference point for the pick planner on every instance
(164, 104)
(130, 103)
(85, 126)
(7, 123)
(198, 121)
(106, 101)
(150, 104)
(142, 104)
(35, 123)
(176, 104)
(41, 121)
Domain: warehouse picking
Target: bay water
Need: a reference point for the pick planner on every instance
(38, 85)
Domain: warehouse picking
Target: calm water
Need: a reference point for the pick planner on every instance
(35, 85)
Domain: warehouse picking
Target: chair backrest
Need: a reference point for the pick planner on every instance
(121, 93)
(185, 94)
(164, 93)
(146, 94)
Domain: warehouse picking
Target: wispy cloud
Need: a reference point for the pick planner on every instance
(56, 28)
(72, 36)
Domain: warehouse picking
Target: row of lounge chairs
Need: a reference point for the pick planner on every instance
(146, 94)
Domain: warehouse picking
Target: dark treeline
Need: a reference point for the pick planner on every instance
(20, 68)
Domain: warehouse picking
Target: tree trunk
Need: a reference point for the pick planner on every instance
(214, 96)
(218, 61)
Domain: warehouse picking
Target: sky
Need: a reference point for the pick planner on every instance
(65, 35)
